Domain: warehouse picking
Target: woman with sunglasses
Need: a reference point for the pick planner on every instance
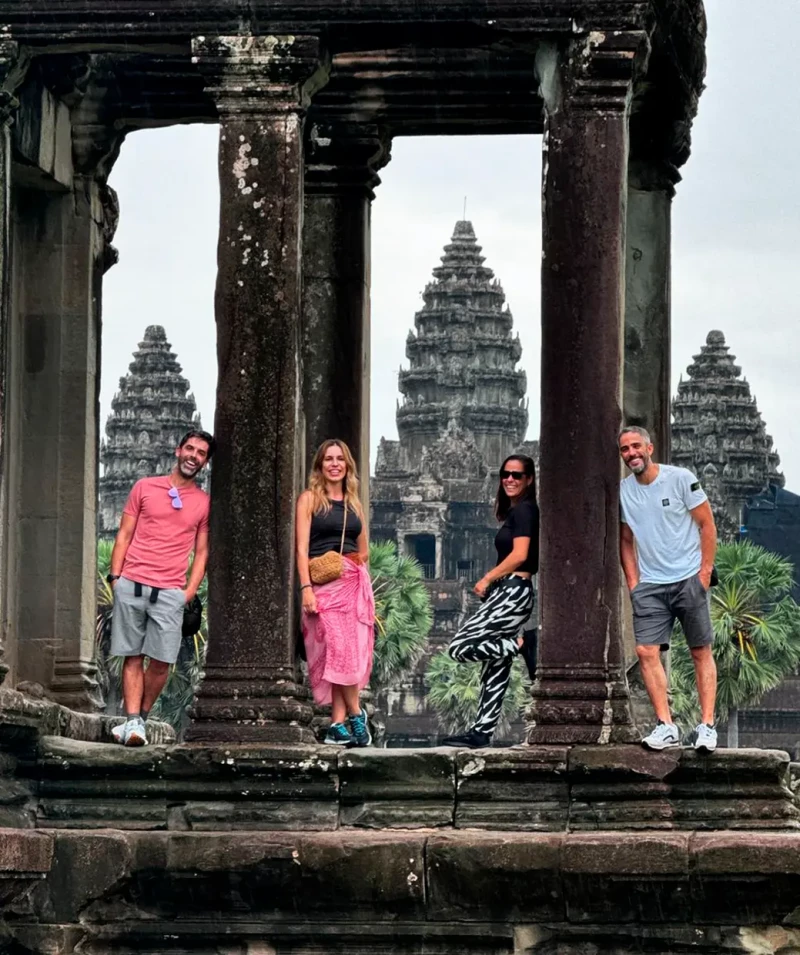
(494, 635)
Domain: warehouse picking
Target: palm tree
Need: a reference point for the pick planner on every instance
(756, 634)
(454, 689)
(403, 614)
(184, 676)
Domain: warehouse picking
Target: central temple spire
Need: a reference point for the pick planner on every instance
(462, 360)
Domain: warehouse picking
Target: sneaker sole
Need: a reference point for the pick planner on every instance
(657, 749)
(135, 739)
(338, 742)
(705, 749)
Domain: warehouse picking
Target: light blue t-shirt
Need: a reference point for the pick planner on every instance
(667, 537)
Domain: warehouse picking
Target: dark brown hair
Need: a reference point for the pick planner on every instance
(502, 504)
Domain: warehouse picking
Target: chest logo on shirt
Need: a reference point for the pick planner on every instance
(665, 502)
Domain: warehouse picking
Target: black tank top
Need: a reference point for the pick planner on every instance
(326, 531)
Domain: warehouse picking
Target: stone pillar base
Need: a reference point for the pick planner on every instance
(75, 686)
(580, 705)
(251, 705)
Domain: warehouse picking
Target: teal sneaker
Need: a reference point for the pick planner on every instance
(339, 735)
(359, 726)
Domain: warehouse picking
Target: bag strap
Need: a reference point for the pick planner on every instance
(344, 528)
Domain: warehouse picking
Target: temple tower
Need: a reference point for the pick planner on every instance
(150, 413)
(717, 422)
(463, 410)
(462, 360)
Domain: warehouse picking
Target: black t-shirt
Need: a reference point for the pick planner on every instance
(326, 531)
(522, 521)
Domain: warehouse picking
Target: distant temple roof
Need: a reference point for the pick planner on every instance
(716, 421)
(462, 381)
(150, 413)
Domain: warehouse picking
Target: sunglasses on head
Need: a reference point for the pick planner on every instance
(177, 503)
(516, 475)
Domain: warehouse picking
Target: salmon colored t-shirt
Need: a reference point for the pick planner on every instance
(164, 538)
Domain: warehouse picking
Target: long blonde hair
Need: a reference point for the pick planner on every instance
(320, 501)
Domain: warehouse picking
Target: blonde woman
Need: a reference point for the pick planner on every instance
(338, 616)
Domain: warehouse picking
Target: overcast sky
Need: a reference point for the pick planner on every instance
(735, 234)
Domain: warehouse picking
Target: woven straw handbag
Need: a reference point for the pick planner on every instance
(328, 567)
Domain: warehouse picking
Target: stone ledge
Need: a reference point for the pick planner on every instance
(419, 876)
(69, 784)
(24, 718)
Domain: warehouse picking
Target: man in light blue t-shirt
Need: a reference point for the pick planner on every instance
(667, 544)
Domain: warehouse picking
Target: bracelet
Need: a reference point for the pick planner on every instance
(303, 586)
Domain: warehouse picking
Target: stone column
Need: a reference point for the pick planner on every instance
(651, 186)
(581, 694)
(8, 56)
(252, 689)
(59, 260)
(341, 164)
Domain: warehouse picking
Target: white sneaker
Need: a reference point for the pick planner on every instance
(705, 737)
(135, 732)
(664, 736)
(118, 732)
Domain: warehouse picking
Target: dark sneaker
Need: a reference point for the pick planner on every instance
(471, 740)
(664, 736)
(529, 651)
(359, 727)
(339, 735)
(705, 737)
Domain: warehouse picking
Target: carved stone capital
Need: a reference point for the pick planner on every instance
(249, 75)
(595, 73)
(343, 158)
(653, 176)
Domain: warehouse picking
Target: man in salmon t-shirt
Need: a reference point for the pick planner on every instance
(164, 520)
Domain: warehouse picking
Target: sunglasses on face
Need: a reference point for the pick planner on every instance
(516, 475)
(177, 503)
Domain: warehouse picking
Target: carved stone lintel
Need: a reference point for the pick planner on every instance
(256, 76)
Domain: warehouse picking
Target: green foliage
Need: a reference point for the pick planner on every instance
(403, 614)
(756, 632)
(184, 676)
(454, 689)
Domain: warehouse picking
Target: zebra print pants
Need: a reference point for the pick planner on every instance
(490, 637)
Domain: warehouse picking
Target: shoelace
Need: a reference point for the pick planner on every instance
(358, 723)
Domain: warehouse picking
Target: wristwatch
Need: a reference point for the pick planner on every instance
(110, 578)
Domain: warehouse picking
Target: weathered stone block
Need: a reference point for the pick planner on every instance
(402, 789)
(619, 877)
(86, 866)
(747, 878)
(280, 874)
(520, 788)
(509, 877)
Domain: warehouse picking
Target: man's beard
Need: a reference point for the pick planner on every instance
(188, 470)
(640, 468)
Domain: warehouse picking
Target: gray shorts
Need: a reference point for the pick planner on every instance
(141, 628)
(656, 607)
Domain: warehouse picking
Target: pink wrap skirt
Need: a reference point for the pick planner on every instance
(340, 637)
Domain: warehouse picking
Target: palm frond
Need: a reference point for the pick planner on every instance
(453, 691)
